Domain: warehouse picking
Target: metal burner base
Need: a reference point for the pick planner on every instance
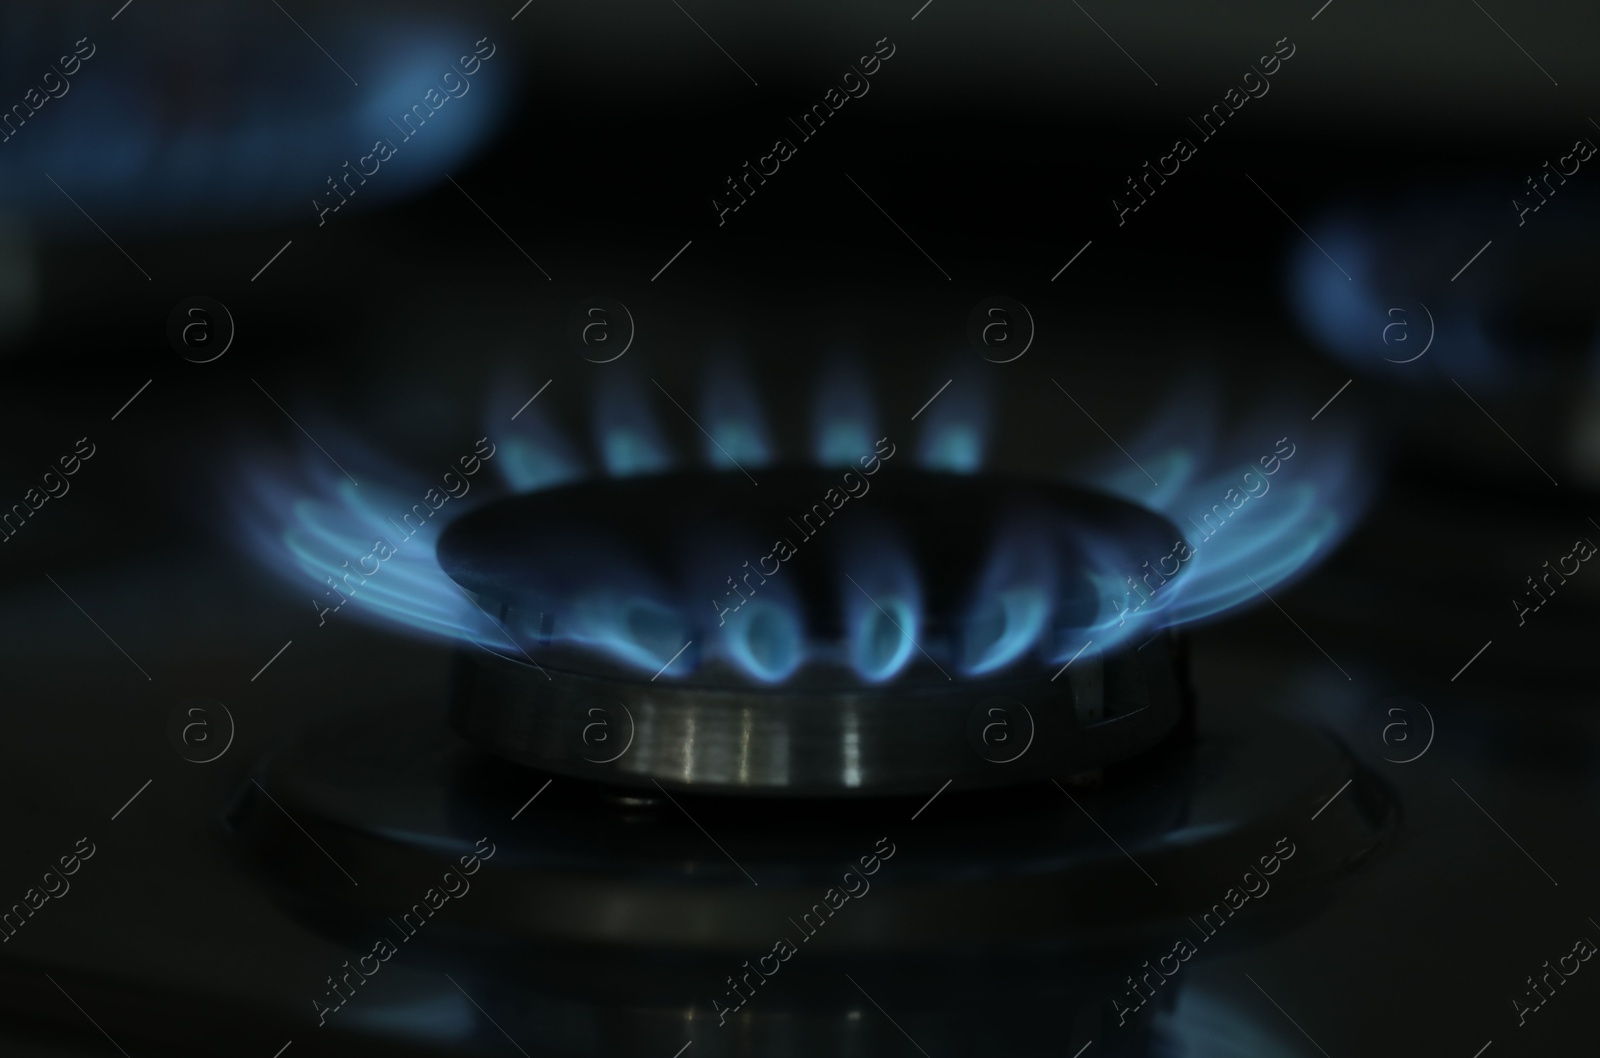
(395, 802)
(825, 743)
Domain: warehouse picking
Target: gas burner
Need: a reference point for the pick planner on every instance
(941, 630)
(808, 663)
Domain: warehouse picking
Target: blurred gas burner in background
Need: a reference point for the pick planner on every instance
(1481, 312)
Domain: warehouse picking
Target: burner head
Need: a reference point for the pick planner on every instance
(882, 635)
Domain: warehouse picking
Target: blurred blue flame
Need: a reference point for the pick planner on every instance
(629, 438)
(225, 117)
(312, 524)
(1005, 626)
(765, 640)
(1013, 602)
(954, 428)
(533, 454)
(1400, 297)
(537, 456)
(1303, 509)
(731, 414)
(843, 418)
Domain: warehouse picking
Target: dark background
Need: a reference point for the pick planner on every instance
(996, 137)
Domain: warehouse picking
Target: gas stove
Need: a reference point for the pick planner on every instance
(477, 578)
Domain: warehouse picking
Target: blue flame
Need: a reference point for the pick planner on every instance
(843, 417)
(765, 640)
(533, 454)
(882, 604)
(1013, 604)
(1004, 627)
(954, 429)
(628, 436)
(1250, 513)
(758, 625)
(883, 635)
(531, 465)
(631, 627)
(598, 597)
(143, 148)
(313, 525)
(537, 456)
(1391, 294)
(1284, 520)
(731, 413)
